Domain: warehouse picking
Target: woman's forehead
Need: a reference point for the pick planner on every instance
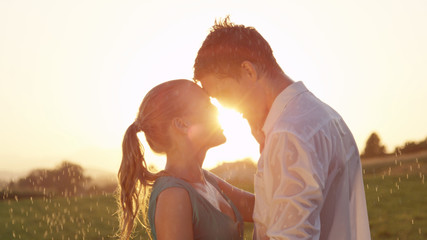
(198, 92)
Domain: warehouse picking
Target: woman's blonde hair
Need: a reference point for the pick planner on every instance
(159, 107)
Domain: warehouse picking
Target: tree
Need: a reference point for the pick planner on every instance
(412, 147)
(66, 179)
(373, 147)
(69, 178)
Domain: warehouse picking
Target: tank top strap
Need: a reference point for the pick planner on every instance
(164, 183)
(212, 181)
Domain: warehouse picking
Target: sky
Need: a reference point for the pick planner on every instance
(73, 73)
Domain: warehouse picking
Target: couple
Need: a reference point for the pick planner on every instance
(308, 184)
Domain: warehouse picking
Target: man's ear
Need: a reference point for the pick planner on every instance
(249, 71)
(180, 125)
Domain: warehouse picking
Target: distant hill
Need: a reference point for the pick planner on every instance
(397, 165)
(100, 177)
(240, 173)
(11, 175)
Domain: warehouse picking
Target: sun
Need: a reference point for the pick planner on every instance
(240, 143)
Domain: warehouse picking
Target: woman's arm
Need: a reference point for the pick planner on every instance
(243, 200)
(173, 219)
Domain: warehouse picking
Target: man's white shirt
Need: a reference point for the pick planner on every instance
(309, 180)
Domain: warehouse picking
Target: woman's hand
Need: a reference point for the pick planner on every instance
(244, 201)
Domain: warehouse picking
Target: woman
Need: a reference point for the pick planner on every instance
(186, 201)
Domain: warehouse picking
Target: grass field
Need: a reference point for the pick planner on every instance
(396, 195)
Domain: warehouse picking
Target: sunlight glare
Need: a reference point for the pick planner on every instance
(240, 143)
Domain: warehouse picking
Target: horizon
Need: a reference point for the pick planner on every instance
(72, 77)
(95, 171)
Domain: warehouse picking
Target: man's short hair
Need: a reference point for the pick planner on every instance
(228, 45)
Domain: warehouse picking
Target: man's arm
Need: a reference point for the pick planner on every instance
(173, 217)
(293, 181)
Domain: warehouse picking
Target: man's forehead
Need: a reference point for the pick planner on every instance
(206, 91)
(209, 83)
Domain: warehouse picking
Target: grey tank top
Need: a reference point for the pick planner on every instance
(208, 222)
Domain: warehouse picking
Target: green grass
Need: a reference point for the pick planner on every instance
(396, 196)
(64, 218)
(396, 200)
(58, 218)
(397, 207)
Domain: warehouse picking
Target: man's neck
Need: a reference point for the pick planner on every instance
(273, 87)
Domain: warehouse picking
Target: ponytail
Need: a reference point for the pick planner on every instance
(134, 180)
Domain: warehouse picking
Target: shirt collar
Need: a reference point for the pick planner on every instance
(280, 103)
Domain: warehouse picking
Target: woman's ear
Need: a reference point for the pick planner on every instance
(249, 71)
(180, 125)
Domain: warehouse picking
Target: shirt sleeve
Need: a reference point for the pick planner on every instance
(293, 181)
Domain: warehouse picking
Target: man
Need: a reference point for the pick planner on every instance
(309, 181)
